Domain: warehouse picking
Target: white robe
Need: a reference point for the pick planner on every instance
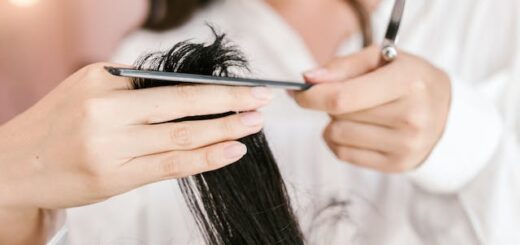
(467, 191)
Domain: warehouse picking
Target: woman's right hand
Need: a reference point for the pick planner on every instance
(93, 137)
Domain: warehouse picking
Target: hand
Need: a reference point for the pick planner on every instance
(92, 138)
(387, 118)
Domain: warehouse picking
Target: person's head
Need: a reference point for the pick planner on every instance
(168, 14)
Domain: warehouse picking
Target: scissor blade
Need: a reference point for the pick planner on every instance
(395, 20)
(203, 79)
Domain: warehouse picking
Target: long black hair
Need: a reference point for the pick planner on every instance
(245, 202)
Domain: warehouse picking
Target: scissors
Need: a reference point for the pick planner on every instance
(388, 49)
(388, 54)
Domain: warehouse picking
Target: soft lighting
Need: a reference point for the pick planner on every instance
(24, 3)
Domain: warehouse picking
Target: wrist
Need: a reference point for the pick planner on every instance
(17, 172)
(19, 224)
(22, 226)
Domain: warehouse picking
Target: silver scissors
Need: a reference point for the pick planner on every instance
(388, 54)
(388, 49)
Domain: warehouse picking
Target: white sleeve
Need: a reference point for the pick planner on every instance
(478, 122)
(492, 200)
(478, 159)
(472, 135)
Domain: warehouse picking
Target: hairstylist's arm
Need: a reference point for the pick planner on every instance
(92, 138)
(385, 118)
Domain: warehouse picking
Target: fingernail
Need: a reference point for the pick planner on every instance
(262, 93)
(235, 150)
(316, 73)
(252, 118)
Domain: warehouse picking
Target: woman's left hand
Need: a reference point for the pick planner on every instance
(384, 117)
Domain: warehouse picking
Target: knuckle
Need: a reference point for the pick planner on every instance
(95, 171)
(416, 144)
(417, 85)
(100, 185)
(335, 104)
(411, 145)
(210, 159)
(228, 127)
(88, 150)
(408, 119)
(180, 135)
(95, 181)
(414, 120)
(408, 148)
(94, 147)
(90, 154)
(171, 166)
(96, 177)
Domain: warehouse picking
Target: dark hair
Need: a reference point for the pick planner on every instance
(167, 14)
(245, 202)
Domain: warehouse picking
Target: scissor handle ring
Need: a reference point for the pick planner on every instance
(389, 53)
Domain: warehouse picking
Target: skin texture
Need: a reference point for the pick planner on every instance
(380, 118)
(306, 17)
(73, 146)
(320, 32)
(383, 117)
(92, 138)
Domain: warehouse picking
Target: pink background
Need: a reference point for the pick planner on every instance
(40, 45)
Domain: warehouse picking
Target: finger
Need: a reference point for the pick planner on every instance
(162, 104)
(96, 75)
(178, 164)
(343, 68)
(358, 94)
(387, 115)
(150, 139)
(362, 157)
(359, 135)
(399, 114)
(383, 116)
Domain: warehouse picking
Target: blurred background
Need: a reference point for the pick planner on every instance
(44, 41)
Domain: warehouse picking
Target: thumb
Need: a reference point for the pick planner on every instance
(343, 68)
